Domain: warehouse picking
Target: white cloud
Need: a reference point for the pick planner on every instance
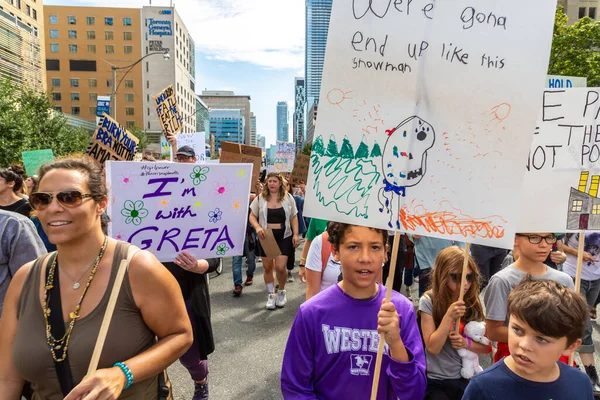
(268, 33)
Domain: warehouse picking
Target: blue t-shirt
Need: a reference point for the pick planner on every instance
(499, 382)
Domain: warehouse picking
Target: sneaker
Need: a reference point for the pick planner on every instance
(237, 292)
(281, 299)
(591, 372)
(290, 277)
(271, 301)
(249, 280)
(200, 391)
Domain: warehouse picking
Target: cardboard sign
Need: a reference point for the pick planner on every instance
(269, 244)
(561, 186)
(34, 159)
(300, 171)
(170, 207)
(196, 141)
(284, 157)
(112, 141)
(425, 115)
(170, 118)
(241, 153)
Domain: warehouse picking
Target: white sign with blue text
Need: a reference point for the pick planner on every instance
(167, 208)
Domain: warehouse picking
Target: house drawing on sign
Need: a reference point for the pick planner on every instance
(584, 206)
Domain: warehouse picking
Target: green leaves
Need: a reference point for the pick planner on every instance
(28, 122)
(576, 48)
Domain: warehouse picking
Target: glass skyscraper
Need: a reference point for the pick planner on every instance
(282, 122)
(227, 126)
(318, 13)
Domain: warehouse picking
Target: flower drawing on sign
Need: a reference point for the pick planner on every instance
(164, 202)
(222, 249)
(220, 187)
(127, 178)
(134, 212)
(119, 236)
(241, 174)
(197, 204)
(236, 206)
(215, 216)
(198, 174)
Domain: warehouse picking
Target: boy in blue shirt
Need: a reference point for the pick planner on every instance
(546, 322)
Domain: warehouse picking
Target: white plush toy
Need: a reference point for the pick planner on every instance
(470, 361)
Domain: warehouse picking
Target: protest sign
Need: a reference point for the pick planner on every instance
(195, 140)
(170, 207)
(170, 118)
(300, 171)
(112, 141)
(284, 157)
(165, 148)
(563, 82)
(240, 153)
(422, 114)
(560, 189)
(34, 159)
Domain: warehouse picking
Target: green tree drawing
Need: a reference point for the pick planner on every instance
(575, 48)
(376, 151)
(332, 149)
(318, 146)
(308, 148)
(363, 149)
(347, 151)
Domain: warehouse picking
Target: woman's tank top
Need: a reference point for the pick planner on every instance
(276, 216)
(127, 336)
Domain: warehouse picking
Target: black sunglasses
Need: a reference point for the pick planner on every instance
(456, 278)
(537, 239)
(67, 198)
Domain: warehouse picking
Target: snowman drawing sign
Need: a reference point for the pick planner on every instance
(404, 163)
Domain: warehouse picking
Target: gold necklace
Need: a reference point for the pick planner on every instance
(63, 343)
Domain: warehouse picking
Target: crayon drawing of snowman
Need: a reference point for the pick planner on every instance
(404, 163)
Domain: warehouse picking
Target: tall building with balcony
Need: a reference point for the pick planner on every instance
(228, 100)
(298, 122)
(318, 13)
(283, 134)
(164, 30)
(227, 126)
(252, 129)
(22, 51)
(82, 45)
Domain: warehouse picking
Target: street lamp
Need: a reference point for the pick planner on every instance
(113, 94)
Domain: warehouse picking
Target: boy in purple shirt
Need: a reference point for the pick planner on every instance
(332, 346)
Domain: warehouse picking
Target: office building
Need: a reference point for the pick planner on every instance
(318, 13)
(252, 129)
(298, 121)
(283, 134)
(577, 9)
(262, 142)
(164, 30)
(22, 49)
(311, 121)
(228, 100)
(201, 116)
(227, 126)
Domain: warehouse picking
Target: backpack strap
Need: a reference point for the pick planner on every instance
(325, 251)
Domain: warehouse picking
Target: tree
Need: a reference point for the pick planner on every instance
(575, 48)
(307, 149)
(141, 135)
(28, 122)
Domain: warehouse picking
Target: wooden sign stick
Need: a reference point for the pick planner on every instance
(578, 273)
(463, 283)
(388, 294)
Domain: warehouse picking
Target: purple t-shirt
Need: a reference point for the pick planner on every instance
(332, 347)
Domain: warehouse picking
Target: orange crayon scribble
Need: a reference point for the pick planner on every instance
(452, 222)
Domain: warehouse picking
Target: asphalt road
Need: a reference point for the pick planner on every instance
(250, 340)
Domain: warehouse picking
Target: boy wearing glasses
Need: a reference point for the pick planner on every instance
(533, 249)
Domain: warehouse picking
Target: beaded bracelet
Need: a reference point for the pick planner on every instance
(127, 373)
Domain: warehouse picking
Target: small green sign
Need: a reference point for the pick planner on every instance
(33, 160)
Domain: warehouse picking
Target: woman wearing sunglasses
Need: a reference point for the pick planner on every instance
(149, 328)
(439, 308)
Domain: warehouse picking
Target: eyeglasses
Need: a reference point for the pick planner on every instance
(181, 158)
(67, 198)
(537, 239)
(456, 278)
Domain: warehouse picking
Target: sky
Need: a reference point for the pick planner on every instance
(253, 47)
